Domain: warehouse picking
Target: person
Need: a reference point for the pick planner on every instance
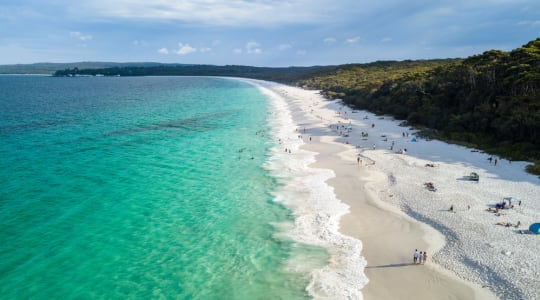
(415, 256)
(358, 159)
(451, 208)
(425, 256)
(421, 258)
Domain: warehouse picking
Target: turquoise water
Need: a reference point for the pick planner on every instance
(147, 187)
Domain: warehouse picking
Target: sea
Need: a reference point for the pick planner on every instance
(146, 188)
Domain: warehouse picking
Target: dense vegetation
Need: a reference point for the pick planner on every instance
(490, 101)
(284, 75)
(50, 68)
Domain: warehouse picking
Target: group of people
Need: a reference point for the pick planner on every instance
(430, 186)
(491, 159)
(419, 257)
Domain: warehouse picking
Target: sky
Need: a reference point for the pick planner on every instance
(260, 32)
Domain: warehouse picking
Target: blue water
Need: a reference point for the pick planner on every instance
(146, 187)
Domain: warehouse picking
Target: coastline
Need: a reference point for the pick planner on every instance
(388, 236)
(316, 210)
(389, 209)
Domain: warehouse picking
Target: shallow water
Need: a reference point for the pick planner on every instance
(141, 187)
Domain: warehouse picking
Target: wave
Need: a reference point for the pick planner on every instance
(315, 207)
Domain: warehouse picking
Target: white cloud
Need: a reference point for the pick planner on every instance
(283, 47)
(386, 39)
(529, 23)
(185, 49)
(220, 12)
(237, 51)
(301, 52)
(205, 49)
(140, 43)
(253, 48)
(329, 40)
(352, 40)
(163, 51)
(80, 36)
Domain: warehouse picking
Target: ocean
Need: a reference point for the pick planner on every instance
(144, 188)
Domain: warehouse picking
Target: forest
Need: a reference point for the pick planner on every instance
(282, 75)
(489, 101)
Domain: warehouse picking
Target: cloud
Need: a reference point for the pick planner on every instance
(80, 36)
(284, 47)
(140, 43)
(318, 26)
(205, 49)
(301, 52)
(352, 40)
(185, 49)
(329, 40)
(220, 12)
(253, 48)
(529, 23)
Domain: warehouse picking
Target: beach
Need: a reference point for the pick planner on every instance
(398, 192)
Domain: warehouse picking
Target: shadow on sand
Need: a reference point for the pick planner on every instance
(390, 266)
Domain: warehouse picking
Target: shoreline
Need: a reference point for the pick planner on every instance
(392, 213)
(387, 263)
(315, 208)
(385, 232)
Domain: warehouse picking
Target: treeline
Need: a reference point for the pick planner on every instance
(490, 101)
(51, 68)
(283, 75)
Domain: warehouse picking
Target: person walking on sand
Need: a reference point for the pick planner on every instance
(421, 258)
(425, 257)
(415, 256)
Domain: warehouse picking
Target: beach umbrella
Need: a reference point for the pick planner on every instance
(535, 228)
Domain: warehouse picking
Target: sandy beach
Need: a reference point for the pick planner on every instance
(380, 171)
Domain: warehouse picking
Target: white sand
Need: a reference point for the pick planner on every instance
(392, 212)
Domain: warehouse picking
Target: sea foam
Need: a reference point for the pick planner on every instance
(315, 207)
